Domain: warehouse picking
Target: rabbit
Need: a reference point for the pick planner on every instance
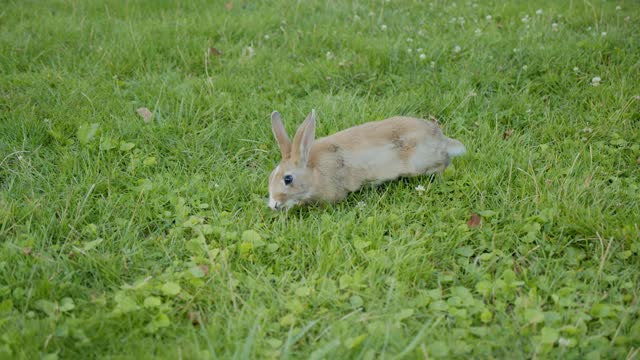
(327, 169)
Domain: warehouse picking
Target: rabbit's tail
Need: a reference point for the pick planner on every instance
(455, 148)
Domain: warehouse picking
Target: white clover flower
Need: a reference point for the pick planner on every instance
(329, 55)
(383, 27)
(433, 64)
(266, 37)
(554, 26)
(488, 17)
(473, 93)
(478, 31)
(618, 8)
(419, 50)
(361, 204)
(409, 50)
(576, 69)
(423, 56)
(248, 51)
(372, 14)
(596, 81)
(457, 49)
(356, 18)
(604, 33)
(564, 342)
(539, 12)
(409, 40)
(420, 188)
(524, 67)
(525, 19)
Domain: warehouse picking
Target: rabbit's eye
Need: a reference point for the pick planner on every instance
(288, 179)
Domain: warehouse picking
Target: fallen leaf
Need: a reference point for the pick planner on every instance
(204, 268)
(145, 113)
(215, 52)
(27, 250)
(548, 181)
(195, 318)
(507, 134)
(228, 6)
(587, 181)
(474, 221)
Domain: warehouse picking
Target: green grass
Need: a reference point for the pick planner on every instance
(167, 249)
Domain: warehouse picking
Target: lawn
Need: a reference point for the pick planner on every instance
(133, 235)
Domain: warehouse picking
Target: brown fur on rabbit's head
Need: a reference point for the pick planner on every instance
(290, 182)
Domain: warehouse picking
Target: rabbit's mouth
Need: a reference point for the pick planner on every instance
(277, 205)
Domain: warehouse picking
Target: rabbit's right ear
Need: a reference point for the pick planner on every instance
(281, 134)
(303, 139)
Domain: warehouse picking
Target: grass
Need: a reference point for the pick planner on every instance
(126, 239)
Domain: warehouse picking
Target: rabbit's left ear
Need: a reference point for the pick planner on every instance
(281, 134)
(303, 139)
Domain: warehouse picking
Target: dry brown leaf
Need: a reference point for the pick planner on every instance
(516, 268)
(507, 134)
(587, 181)
(474, 220)
(145, 113)
(195, 318)
(204, 268)
(27, 250)
(228, 6)
(215, 52)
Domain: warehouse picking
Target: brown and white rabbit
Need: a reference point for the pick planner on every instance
(327, 169)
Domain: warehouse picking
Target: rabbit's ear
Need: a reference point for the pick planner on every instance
(281, 134)
(304, 139)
